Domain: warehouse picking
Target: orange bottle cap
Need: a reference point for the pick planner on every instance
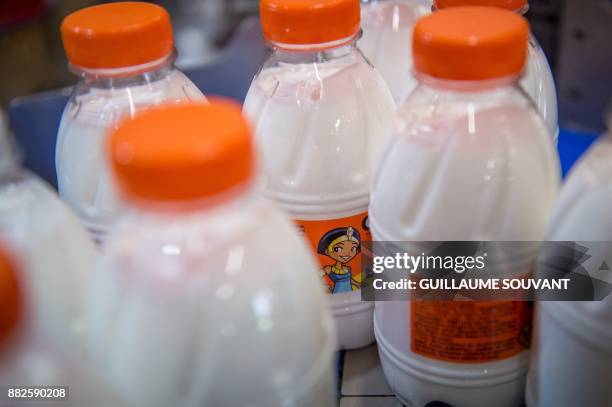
(10, 308)
(470, 43)
(182, 152)
(302, 22)
(117, 35)
(507, 4)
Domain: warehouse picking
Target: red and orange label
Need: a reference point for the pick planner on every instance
(470, 332)
(337, 244)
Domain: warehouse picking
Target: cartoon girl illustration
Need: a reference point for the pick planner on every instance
(341, 245)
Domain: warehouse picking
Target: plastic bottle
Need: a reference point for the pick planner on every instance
(58, 255)
(470, 160)
(30, 355)
(321, 113)
(123, 53)
(207, 294)
(572, 358)
(387, 35)
(537, 80)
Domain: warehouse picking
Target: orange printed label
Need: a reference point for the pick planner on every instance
(470, 332)
(337, 244)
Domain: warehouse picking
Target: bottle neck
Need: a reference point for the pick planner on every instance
(115, 77)
(467, 85)
(300, 53)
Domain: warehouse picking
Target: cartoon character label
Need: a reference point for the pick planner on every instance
(337, 243)
(470, 332)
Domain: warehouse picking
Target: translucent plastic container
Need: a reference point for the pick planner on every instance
(387, 39)
(123, 53)
(207, 295)
(537, 80)
(470, 160)
(58, 255)
(321, 113)
(572, 359)
(30, 354)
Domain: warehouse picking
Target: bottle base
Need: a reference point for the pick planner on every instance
(354, 320)
(419, 386)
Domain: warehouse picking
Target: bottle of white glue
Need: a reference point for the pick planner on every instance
(207, 295)
(321, 112)
(471, 160)
(123, 53)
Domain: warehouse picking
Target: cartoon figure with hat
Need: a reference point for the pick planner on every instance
(341, 245)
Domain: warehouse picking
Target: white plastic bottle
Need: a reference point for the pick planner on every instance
(387, 37)
(572, 359)
(31, 354)
(58, 255)
(537, 80)
(207, 295)
(471, 160)
(123, 53)
(321, 113)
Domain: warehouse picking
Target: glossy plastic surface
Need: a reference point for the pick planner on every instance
(321, 115)
(54, 262)
(572, 355)
(387, 40)
(98, 102)
(219, 306)
(59, 257)
(469, 161)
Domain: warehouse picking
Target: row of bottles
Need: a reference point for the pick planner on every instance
(188, 301)
(205, 294)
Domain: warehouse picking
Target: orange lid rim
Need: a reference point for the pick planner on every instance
(512, 5)
(166, 61)
(470, 43)
(189, 203)
(309, 22)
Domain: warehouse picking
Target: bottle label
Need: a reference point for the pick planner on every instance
(337, 244)
(470, 332)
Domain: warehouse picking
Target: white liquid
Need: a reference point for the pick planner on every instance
(462, 167)
(387, 40)
(58, 256)
(84, 181)
(54, 260)
(572, 358)
(320, 128)
(218, 307)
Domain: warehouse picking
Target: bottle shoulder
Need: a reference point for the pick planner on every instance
(102, 102)
(199, 232)
(582, 211)
(461, 165)
(31, 213)
(438, 106)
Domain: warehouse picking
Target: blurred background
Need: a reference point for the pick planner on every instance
(220, 47)
(575, 34)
